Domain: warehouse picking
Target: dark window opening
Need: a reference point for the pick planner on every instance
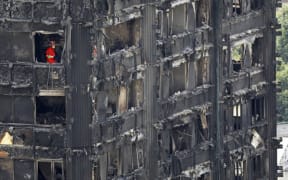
(257, 166)
(257, 109)
(50, 170)
(226, 123)
(181, 138)
(103, 7)
(257, 56)
(237, 121)
(50, 109)
(178, 79)
(204, 177)
(256, 4)
(113, 158)
(159, 29)
(43, 41)
(112, 108)
(122, 36)
(58, 171)
(237, 10)
(44, 170)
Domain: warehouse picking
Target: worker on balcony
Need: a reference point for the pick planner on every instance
(50, 53)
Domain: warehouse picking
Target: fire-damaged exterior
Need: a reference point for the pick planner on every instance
(142, 89)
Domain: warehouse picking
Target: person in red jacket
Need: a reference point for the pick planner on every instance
(50, 53)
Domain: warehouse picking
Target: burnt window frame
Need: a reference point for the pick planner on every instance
(52, 165)
(238, 169)
(60, 33)
(237, 116)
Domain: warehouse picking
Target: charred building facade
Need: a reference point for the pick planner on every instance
(141, 89)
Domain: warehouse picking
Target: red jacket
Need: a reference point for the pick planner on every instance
(50, 55)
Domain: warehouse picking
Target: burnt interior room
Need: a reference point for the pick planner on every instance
(50, 109)
(123, 35)
(42, 42)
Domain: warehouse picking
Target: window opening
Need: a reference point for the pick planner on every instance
(50, 170)
(257, 56)
(122, 35)
(237, 58)
(178, 79)
(237, 10)
(237, 116)
(181, 138)
(48, 47)
(257, 109)
(256, 4)
(50, 109)
(257, 166)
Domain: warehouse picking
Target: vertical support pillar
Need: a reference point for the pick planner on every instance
(149, 56)
(217, 75)
(270, 97)
(79, 114)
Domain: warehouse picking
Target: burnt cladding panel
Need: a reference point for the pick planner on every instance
(16, 46)
(22, 76)
(6, 108)
(23, 169)
(51, 11)
(48, 139)
(23, 109)
(4, 10)
(6, 169)
(81, 162)
(21, 10)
